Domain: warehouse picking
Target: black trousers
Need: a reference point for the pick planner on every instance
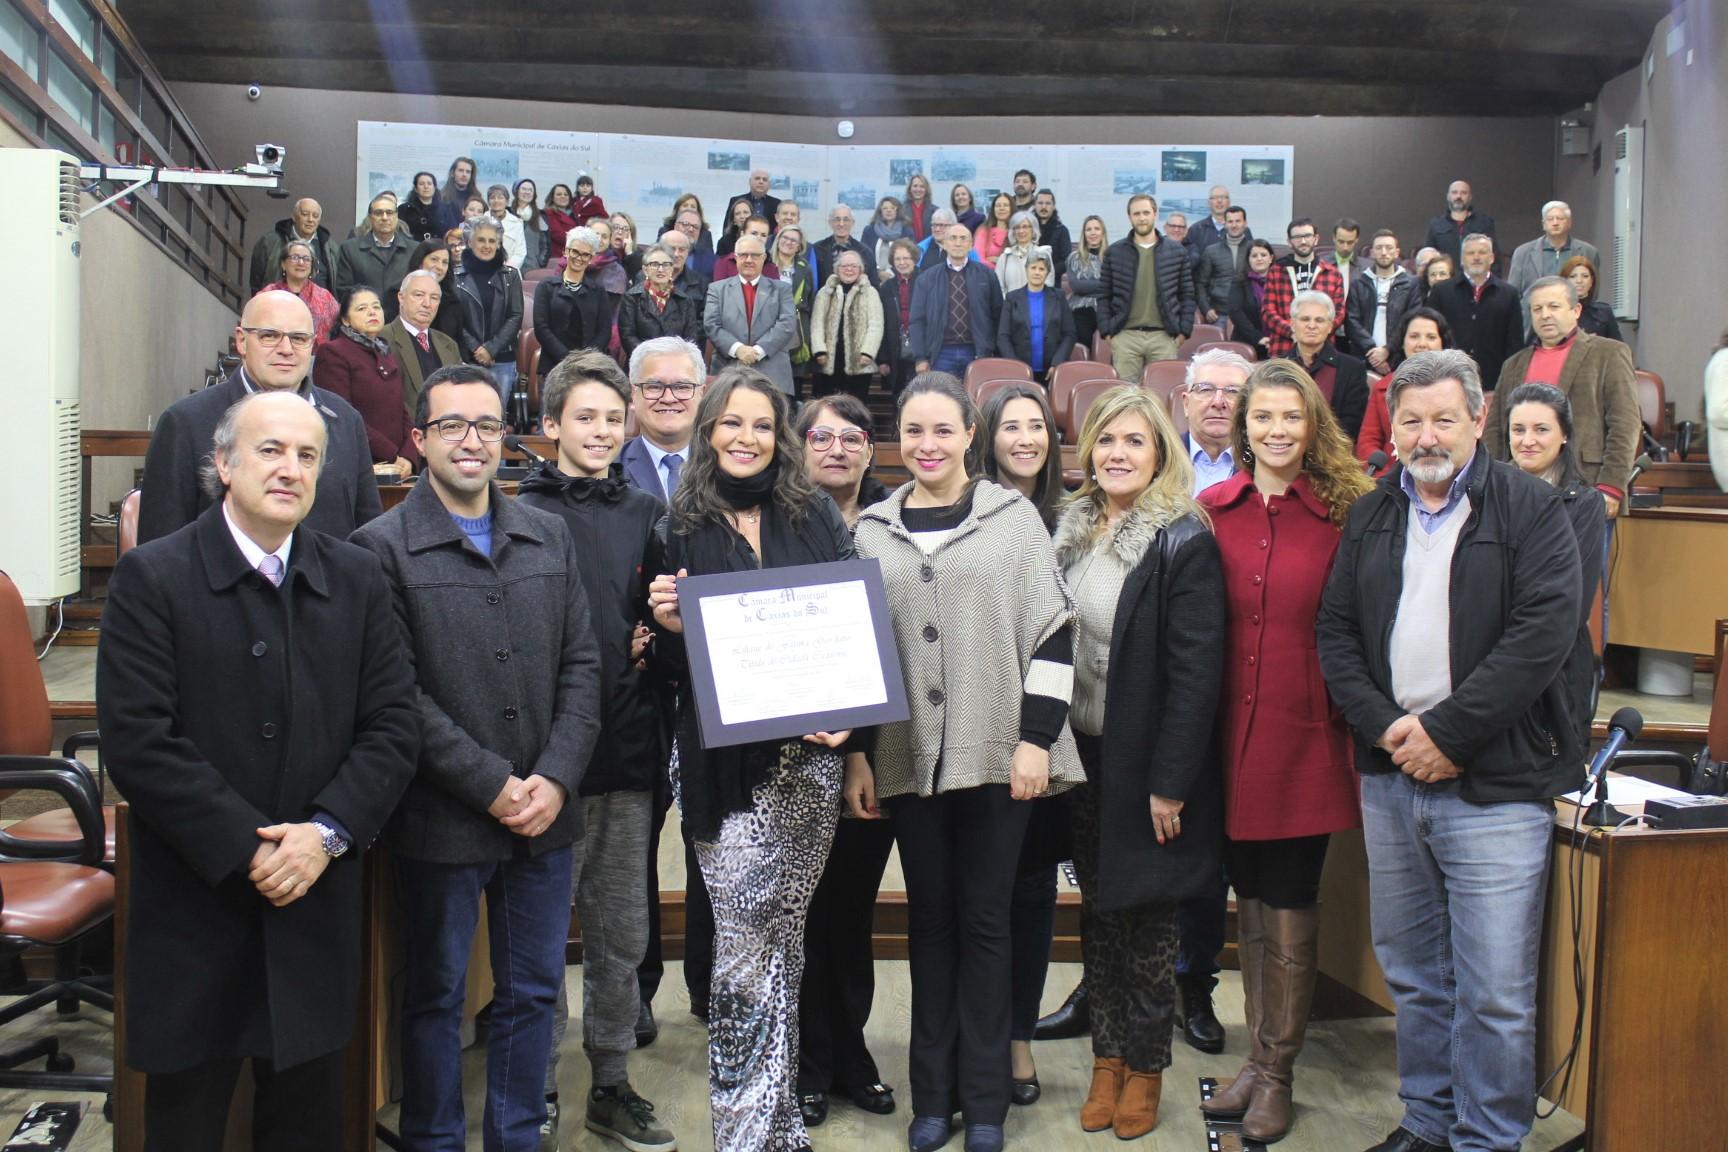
(839, 968)
(960, 852)
(1085, 327)
(296, 1109)
(1281, 873)
(698, 918)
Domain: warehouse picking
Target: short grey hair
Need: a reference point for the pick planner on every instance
(1473, 238)
(1314, 296)
(426, 272)
(1219, 358)
(223, 442)
(1040, 255)
(1426, 368)
(839, 208)
(943, 216)
(668, 346)
(852, 255)
(1560, 204)
(664, 249)
(1552, 282)
(582, 234)
(485, 224)
(1014, 222)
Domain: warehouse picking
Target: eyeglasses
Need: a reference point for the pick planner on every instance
(1208, 392)
(269, 337)
(454, 429)
(656, 263)
(298, 258)
(575, 257)
(822, 439)
(655, 389)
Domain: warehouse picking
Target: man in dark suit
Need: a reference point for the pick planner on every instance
(377, 258)
(257, 708)
(489, 595)
(761, 203)
(1484, 311)
(275, 341)
(956, 309)
(751, 319)
(827, 250)
(420, 348)
(1222, 262)
(1213, 228)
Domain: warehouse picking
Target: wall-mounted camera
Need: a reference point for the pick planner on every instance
(253, 92)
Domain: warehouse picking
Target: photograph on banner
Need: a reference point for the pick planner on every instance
(645, 175)
(389, 154)
(1099, 179)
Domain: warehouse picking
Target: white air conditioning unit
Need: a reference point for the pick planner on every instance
(1628, 218)
(39, 518)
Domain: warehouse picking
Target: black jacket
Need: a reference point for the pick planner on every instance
(266, 264)
(1014, 331)
(1364, 301)
(423, 221)
(1215, 274)
(823, 255)
(889, 351)
(228, 705)
(1589, 517)
(1175, 286)
(1349, 397)
(345, 498)
(1510, 723)
(568, 318)
(1597, 318)
(1245, 314)
(496, 327)
(506, 672)
(1053, 234)
(1444, 236)
(639, 320)
(612, 526)
(1491, 330)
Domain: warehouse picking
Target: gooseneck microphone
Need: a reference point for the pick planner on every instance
(1623, 728)
(1376, 464)
(516, 444)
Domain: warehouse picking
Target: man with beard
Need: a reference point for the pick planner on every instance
(1446, 232)
(1379, 297)
(1052, 233)
(1298, 272)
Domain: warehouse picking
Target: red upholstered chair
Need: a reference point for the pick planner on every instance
(1086, 394)
(540, 274)
(1101, 348)
(989, 388)
(1178, 413)
(1202, 334)
(128, 534)
(1241, 350)
(1163, 377)
(1653, 403)
(27, 726)
(1064, 377)
(995, 368)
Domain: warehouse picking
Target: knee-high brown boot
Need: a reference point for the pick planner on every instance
(1292, 955)
(1233, 1098)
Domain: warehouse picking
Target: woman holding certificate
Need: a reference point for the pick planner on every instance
(981, 622)
(1149, 638)
(761, 815)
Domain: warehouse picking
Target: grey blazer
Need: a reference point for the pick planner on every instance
(1526, 267)
(773, 326)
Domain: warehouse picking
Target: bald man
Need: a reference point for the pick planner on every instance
(275, 341)
(303, 224)
(762, 203)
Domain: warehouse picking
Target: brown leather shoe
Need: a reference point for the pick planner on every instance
(1099, 1111)
(1233, 1098)
(1137, 1110)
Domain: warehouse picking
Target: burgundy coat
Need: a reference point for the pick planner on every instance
(373, 384)
(1288, 766)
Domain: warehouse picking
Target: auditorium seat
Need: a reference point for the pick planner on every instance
(1178, 412)
(1064, 377)
(1241, 350)
(1163, 377)
(27, 725)
(1086, 394)
(989, 388)
(994, 368)
(1653, 403)
(1202, 334)
(540, 274)
(127, 536)
(528, 369)
(1101, 348)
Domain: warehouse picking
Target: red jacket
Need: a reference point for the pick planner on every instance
(1288, 765)
(1281, 290)
(1376, 434)
(373, 384)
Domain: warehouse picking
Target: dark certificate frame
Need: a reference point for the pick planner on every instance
(717, 734)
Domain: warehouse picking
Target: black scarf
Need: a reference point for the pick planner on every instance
(480, 273)
(749, 492)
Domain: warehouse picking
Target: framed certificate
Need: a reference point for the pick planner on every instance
(784, 652)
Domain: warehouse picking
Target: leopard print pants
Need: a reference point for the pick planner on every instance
(1129, 955)
(761, 872)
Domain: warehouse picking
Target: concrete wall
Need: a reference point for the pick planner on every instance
(1386, 172)
(1683, 107)
(149, 331)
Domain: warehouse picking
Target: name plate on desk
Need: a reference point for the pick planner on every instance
(785, 652)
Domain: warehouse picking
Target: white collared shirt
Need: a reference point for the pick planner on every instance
(254, 554)
(658, 455)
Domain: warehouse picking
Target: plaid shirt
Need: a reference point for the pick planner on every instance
(1281, 290)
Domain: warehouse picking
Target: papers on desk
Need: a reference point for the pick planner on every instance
(1628, 790)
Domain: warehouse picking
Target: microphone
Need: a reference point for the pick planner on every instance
(1376, 463)
(515, 444)
(1623, 728)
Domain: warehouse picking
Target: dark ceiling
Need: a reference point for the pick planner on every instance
(925, 57)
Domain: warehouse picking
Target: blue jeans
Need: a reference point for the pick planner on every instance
(529, 904)
(1457, 893)
(1200, 931)
(954, 359)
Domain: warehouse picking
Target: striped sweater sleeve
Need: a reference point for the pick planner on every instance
(1048, 689)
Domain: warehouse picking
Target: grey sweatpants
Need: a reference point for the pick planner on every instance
(611, 878)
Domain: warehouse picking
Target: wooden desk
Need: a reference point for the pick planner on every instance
(1653, 937)
(1665, 578)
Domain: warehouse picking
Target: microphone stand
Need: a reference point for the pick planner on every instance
(1602, 814)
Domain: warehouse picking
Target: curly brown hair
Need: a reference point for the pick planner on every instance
(1330, 460)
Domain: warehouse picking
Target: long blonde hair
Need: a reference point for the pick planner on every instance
(1170, 495)
(1330, 459)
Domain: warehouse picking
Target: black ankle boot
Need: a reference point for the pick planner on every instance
(1200, 1026)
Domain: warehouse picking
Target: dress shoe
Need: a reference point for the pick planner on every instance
(1024, 1092)
(1200, 1026)
(1073, 1019)
(647, 1029)
(1404, 1140)
(927, 1133)
(813, 1106)
(874, 1098)
(1099, 1111)
(984, 1138)
(1137, 1110)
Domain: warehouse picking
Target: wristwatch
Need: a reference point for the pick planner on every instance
(334, 843)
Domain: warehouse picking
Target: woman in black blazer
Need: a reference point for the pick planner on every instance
(893, 357)
(1247, 295)
(571, 313)
(1014, 329)
(657, 306)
